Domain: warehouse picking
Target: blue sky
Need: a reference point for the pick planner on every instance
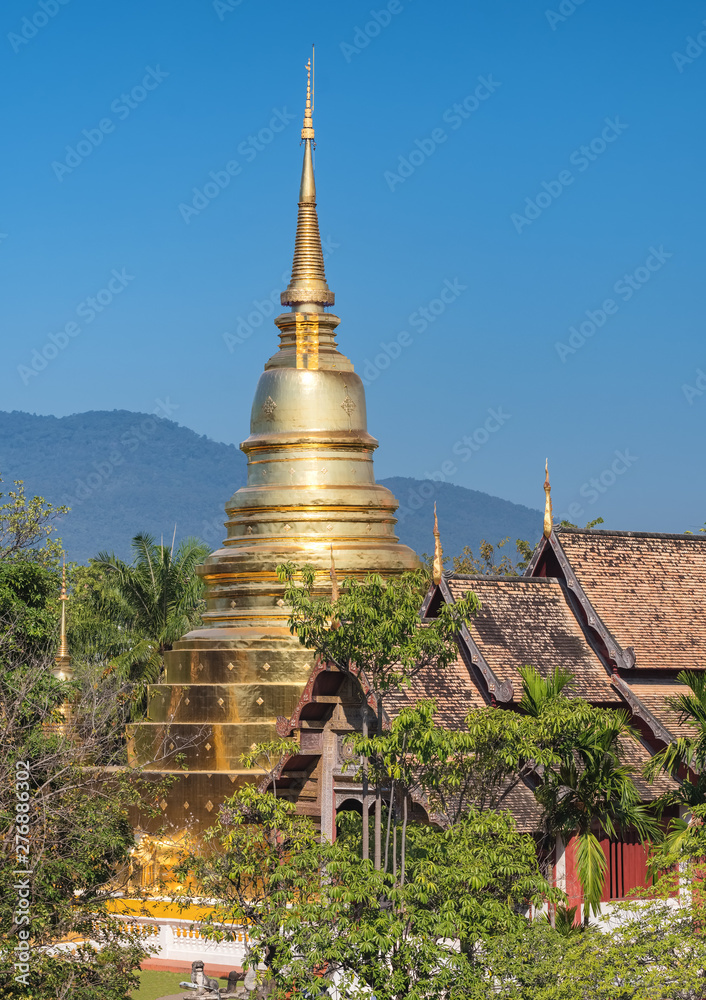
(541, 163)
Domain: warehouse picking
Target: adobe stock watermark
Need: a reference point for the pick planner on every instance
(463, 449)
(625, 288)
(22, 916)
(87, 310)
(581, 158)
(223, 7)
(263, 309)
(362, 37)
(33, 23)
(214, 531)
(563, 12)
(597, 486)
(220, 179)
(420, 320)
(130, 440)
(695, 391)
(122, 107)
(694, 49)
(454, 116)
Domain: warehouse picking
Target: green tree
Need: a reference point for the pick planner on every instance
(26, 527)
(654, 948)
(60, 761)
(158, 597)
(590, 790)
(685, 759)
(489, 563)
(589, 525)
(373, 627)
(318, 915)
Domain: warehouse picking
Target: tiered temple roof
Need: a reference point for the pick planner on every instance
(623, 612)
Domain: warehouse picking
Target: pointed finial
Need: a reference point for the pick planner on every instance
(63, 657)
(548, 516)
(308, 126)
(438, 564)
(335, 592)
(307, 287)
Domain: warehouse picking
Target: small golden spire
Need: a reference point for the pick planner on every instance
(438, 564)
(548, 516)
(335, 592)
(307, 287)
(62, 660)
(308, 126)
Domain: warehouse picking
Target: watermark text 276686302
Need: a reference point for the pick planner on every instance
(22, 888)
(121, 107)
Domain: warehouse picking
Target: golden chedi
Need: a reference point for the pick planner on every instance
(310, 497)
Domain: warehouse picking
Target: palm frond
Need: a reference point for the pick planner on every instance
(591, 865)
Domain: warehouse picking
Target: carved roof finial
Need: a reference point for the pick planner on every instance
(548, 516)
(438, 564)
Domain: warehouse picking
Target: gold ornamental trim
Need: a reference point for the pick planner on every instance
(281, 508)
(301, 446)
(305, 458)
(307, 339)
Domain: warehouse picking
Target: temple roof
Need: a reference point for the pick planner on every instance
(526, 621)
(453, 689)
(653, 694)
(648, 589)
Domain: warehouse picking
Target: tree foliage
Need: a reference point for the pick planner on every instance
(26, 527)
(377, 627)
(589, 789)
(685, 758)
(157, 599)
(318, 915)
(489, 562)
(78, 832)
(653, 948)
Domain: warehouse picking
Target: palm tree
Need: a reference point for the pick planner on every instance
(684, 757)
(589, 789)
(159, 598)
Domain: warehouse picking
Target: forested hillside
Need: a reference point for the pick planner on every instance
(123, 472)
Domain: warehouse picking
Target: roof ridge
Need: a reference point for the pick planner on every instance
(632, 534)
(497, 577)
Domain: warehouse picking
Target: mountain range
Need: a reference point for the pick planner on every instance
(122, 472)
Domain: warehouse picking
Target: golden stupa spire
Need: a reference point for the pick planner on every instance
(438, 564)
(307, 287)
(548, 516)
(62, 661)
(335, 591)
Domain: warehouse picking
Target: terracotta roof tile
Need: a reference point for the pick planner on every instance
(453, 689)
(653, 695)
(523, 806)
(637, 755)
(528, 621)
(649, 590)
